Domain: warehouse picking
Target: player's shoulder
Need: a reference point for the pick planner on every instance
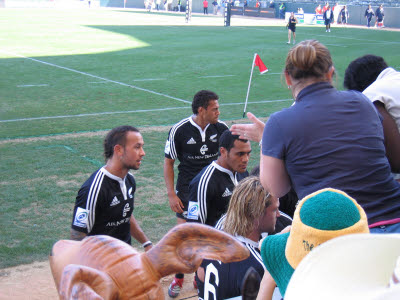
(181, 123)
(130, 178)
(180, 127)
(93, 179)
(205, 173)
(221, 125)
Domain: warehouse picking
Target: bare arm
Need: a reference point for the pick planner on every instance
(267, 287)
(174, 202)
(77, 235)
(137, 233)
(273, 176)
(392, 137)
(252, 132)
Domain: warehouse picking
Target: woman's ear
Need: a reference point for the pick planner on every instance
(288, 79)
(331, 72)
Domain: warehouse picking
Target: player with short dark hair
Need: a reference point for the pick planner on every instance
(105, 202)
(211, 189)
(194, 142)
(363, 71)
(251, 212)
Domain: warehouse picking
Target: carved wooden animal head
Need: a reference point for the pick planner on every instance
(102, 267)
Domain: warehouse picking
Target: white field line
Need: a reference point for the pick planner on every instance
(98, 77)
(32, 85)
(336, 45)
(330, 36)
(150, 79)
(131, 111)
(215, 76)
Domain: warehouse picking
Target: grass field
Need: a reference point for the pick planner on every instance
(69, 75)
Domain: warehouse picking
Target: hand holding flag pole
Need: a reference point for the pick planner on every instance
(259, 63)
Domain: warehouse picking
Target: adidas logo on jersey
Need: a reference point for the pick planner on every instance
(115, 201)
(227, 193)
(191, 141)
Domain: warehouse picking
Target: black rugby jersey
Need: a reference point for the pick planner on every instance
(104, 205)
(210, 192)
(193, 147)
(223, 281)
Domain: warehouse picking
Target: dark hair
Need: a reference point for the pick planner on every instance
(116, 136)
(308, 59)
(202, 99)
(255, 171)
(363, 71)
(227, 140)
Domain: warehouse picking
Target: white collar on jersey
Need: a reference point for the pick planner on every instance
(202, 132)
(222, 169)
(246, 241)
(120, 180)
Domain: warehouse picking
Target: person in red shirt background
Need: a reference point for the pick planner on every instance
(325, 7)
(318, 10)
(205, 7)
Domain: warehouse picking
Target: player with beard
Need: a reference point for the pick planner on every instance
(105, 202)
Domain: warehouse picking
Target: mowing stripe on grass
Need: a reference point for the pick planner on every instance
(32, 85)
(95, 76)
(133, 111)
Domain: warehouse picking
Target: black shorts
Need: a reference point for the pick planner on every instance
(184, 196)
(327, 21)
(292, 28)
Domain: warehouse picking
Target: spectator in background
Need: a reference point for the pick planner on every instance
(325, 7)
(179, 5)
(292, 28)
(371, 75)
(158, 3)
(344, 14)
(379, 16)
(215, 7)
(328, 138)
(205, 7)
(272, 4)
(369, 13)
(245, 3)
(328, 18)
(318, 10)
(336, 13)
(258, 6)
(282, 10)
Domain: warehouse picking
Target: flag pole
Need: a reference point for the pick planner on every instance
(248, 89)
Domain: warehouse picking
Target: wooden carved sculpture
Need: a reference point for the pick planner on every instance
(102, 267)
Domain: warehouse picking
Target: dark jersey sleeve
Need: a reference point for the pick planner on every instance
(193, 214)
(170, 150)
(81, 214)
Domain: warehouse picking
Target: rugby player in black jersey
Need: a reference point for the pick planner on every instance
(105, 202)
(194, 142)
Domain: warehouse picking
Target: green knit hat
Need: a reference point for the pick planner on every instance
(319, 217)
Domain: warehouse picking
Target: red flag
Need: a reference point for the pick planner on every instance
(259, 63)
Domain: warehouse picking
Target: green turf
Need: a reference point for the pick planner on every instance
(92, 65)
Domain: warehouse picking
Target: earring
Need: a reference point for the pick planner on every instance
(289, 87)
